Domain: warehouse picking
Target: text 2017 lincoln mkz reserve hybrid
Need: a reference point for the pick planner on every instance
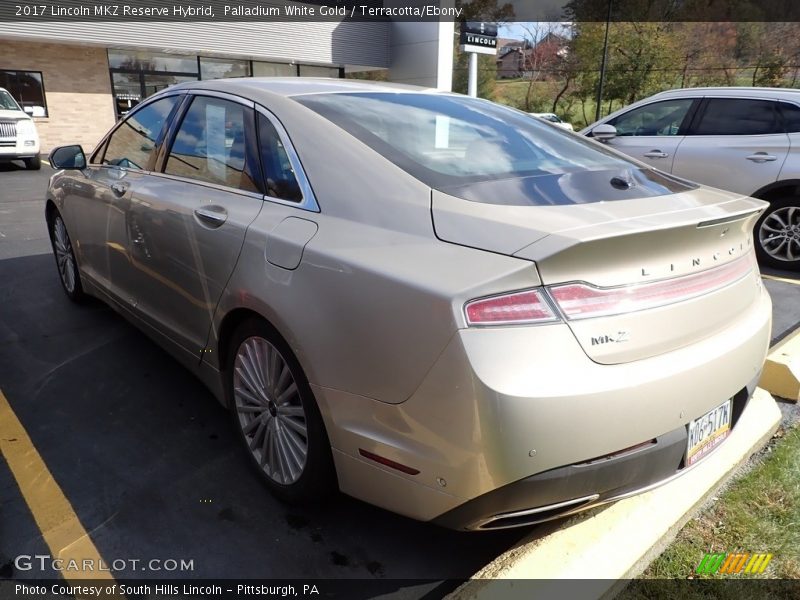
(437, 304)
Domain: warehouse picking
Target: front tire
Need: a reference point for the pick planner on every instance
(33, 164)
(276, 415)
(65, 259)
(777, 235)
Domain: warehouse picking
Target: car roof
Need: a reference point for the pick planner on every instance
(255, 87)
(753, 92)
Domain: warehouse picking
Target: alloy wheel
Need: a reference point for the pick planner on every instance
(64, 255)
(269, 410)
(779, 234)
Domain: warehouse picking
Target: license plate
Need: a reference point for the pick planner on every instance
(707, 432)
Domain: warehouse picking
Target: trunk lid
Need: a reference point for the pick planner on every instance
(689, 253)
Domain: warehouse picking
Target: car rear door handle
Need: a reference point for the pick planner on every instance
(119, 188)
(214, 216)
(760, 157)
(656, 154)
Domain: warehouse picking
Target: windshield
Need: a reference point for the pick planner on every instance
(7, 102)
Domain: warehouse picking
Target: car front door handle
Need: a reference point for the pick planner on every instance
(760, 157)
(119, 188)
(656, 154)
(213, 216)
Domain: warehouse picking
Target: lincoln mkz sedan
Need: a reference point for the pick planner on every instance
(434, 303)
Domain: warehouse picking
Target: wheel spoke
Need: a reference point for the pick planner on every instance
(286, 394)
(295, 453)
(283, 378)
(250, 397)
(287, 410)
(254, 364)
(294, 425)
(250, 409)
(250, 378)
(256, 441)
(265, 445)
(283, 461)
(251, 426)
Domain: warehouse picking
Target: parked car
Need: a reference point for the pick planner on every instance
(554, 118)
(18, 137)
(746, 140)
(444, 307)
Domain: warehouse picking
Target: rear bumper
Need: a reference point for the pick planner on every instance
(574, 488)
(510, 419)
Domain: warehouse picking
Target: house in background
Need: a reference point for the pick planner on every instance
(519, 59)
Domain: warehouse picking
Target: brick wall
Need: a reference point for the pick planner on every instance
(77, 90)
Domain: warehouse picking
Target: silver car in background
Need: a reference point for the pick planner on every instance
(434, 303)
(742, 139)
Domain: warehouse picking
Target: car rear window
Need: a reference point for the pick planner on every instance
(450, 142)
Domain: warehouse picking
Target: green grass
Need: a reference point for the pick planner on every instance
(758, 512)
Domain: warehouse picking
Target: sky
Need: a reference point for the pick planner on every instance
(518, 30)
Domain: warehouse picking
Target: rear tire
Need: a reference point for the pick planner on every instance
(65, 259)
(777, 235)
(33, 164)
(276, 415)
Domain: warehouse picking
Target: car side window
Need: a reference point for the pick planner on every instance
(658, 118)
(132, 143)
(212, 142)
(791, 117)
(279, 175)
(738, 116)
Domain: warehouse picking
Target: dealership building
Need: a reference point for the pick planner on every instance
(78, 78)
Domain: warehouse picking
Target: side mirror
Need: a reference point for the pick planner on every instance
(604, 132)
(67, 157)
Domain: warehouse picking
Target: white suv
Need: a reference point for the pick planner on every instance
(746, 140)
(18, 137)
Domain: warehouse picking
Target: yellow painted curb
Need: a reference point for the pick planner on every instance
(618, 541)
(781, 376)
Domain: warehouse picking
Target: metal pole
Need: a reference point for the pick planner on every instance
(472, 87)
(603, 66)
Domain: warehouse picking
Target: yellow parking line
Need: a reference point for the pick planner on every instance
(783, 279)
(53, 513)
(45, 161)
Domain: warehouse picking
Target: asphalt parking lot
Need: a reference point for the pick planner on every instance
(146, 457)
(147, 460)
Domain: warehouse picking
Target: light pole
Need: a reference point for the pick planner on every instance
(603, 65)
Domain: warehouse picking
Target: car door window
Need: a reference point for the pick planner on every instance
(738, 116)
(791, 117)
(212, 144)
(132, 143)
(658, 118)
(279, 175)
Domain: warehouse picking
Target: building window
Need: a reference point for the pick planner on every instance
(27, 88)
(133, 60)
(268, 69)
(221, 68)
(315, 71)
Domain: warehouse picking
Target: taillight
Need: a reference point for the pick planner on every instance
(583, 301)
(517, 308)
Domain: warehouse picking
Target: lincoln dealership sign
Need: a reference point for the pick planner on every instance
(478, 36)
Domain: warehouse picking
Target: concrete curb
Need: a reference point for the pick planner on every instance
(618, 541)
(781, 375)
